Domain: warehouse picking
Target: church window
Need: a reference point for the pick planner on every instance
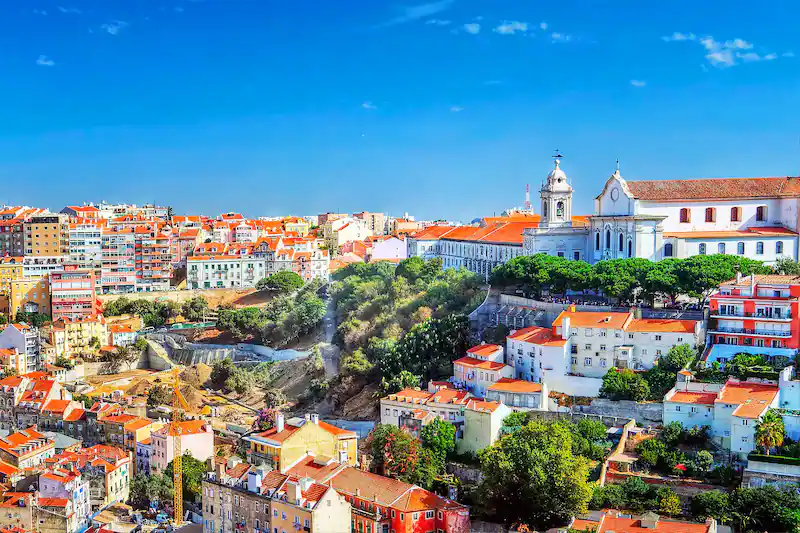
(620, 243)
(721, 248)
(608, 238)
(576, 256)
(711, 214)
(560, 209)
(685, 215)
(740, 248)
(668, 250)
(736, 214)
(759, 248)
(544, 209)
(778, 247)
(702, 248)
(630, 248)
(761, 213)
(597, 241)
(560, 254)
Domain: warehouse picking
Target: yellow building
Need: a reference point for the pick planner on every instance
(289, 440)
(47, 235)
(30, 295)
(78, 335)
(10, 269)
(297, 225)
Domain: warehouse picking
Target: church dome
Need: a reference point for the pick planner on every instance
(557, 179)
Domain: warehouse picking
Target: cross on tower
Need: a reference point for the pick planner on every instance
(558, 155)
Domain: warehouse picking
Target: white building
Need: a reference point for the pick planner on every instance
(347, 229)
(440, 401)
(86, 244)
(25, 340)
(731, 410)
(481, 368)
(197, 439)
(387, 248)
(519, 394)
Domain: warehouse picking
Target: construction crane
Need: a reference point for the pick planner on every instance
(179, 405)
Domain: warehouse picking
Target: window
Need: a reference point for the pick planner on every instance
(587, 361)
(630, 248)
(778, 247)
(587, 346)
(608, 239)
(740, 248)
(711, 214)
(677, 407)
(761, 213)
(602, 347)
(602, 363)
(702, 248)
(658, 337)
(644, 351)
(744, 422)
(597, 241)
(759, 248)
(630, 335)
(736, 214)
(576, 256)
(574, 360)
(721, 248)
(429, 514)
(620, 242)
(685, 215)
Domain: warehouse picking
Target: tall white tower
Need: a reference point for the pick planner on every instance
(556, 196)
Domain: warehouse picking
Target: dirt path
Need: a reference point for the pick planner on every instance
(330, 352)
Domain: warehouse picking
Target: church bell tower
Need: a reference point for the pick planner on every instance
(556, 194)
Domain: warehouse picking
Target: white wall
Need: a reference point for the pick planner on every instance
(776, 214)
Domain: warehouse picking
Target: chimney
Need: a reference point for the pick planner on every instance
(219, 469)
(254, 479)
(315, 418)
(292, 491)
(738, 277)
(308, 417)
(279, 422)
(565, 328)
(305, 483)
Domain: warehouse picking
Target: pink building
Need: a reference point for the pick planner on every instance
(73, 293)
(197, 438)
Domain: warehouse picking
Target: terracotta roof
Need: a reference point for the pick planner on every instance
(695, 398)
(336, 431)
(56, 406)
(187, 427)
(713, 188)
(53, 502)
(317, 468)
(634, 525)
(594, 319)
(744, 233)
(537, 335)
(11, 381)
(447, 396)
(75, 415)
(479, 363)
(753, 398)
(766, 279)
(483, 406)
(411, 395)
(485, 349)
(662, 325)
(515, 385)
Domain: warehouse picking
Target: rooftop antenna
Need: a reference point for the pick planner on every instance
(527, 197)
(617, 168)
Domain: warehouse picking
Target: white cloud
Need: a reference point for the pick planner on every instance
(638, 83)
(543, 26)
(474, 28)
(45, 61)
(560, 37)
(114, 27)
(369, 105)
(512, 27)
(70, 10)
(725, 54)
(678, 36)
(787, 54)
(438, 22)
(456, 109)
(420, 11)
(39, 12)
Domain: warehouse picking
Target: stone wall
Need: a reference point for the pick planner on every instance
(645, 413)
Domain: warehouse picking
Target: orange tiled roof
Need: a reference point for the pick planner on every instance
(766, 279)
(447, 396)
(411, 395)
(594, 319)
(478, 363)
(187, 427)
(484, 349)
(665, 325)
(634, 525)
(753, 398)
(537, 335)
(695, 398)
(723, 234)
(712, 188)
(515, 385)
(483, 406)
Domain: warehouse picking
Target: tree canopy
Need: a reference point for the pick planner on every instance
(283, 282)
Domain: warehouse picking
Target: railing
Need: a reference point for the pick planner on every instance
(749, 314)
(747, 331)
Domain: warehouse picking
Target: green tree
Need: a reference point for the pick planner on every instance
(786, 265)
(159, 395)
(84, 399)
(274, 398)
(624, 384)
(711, 504)
(650, 452)
(663, 280)
(283, 282)
(194, 309)
(220, 372)
(702, 274)
(439, 437)
(36, 320)
(64, 362)
(668, 502)
(671, 435)
(395, 453)
(403, 380)
(193, 473)
(704, 461)
(355, 363)
(314, 363)
(609, 496)
(770, 431)
(531, 476)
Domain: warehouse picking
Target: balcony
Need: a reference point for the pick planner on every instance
(785, 316)
(747, 331)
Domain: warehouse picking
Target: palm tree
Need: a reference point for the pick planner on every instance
(770, 431)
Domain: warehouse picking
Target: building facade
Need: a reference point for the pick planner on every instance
(73, 293)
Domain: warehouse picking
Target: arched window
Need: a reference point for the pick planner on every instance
(759, 248)
(736, 214)
(630, 248)
(702, 248)
(560, 209)
(544, 209)
(778, 247)
(668, 250)
(721, 248)
(597, 241)
(740, 248)
(685, 215)
(711, 214)
(608, 239)
(621, 241)
(761, 213)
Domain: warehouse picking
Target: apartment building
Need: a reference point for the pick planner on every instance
(29, 294)
(60, 482)
(73, 293)
(376, 222)
(289, 440)
(341, 230)
(108, 468)
(152, 259)
(10, 269)
(47, 235)
(197, 438)
(118, 272)
(756, 314)
(441, 401)
(86, 244)
(481, 368)
(26, 449)
(17, 511)
(78, 335)
(12, 232)
(25, 340)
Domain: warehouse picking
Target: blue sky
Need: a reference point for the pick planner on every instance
(442, 109)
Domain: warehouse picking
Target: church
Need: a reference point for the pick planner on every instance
(752, 217)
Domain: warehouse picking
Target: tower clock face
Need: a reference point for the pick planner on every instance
(615, 194)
